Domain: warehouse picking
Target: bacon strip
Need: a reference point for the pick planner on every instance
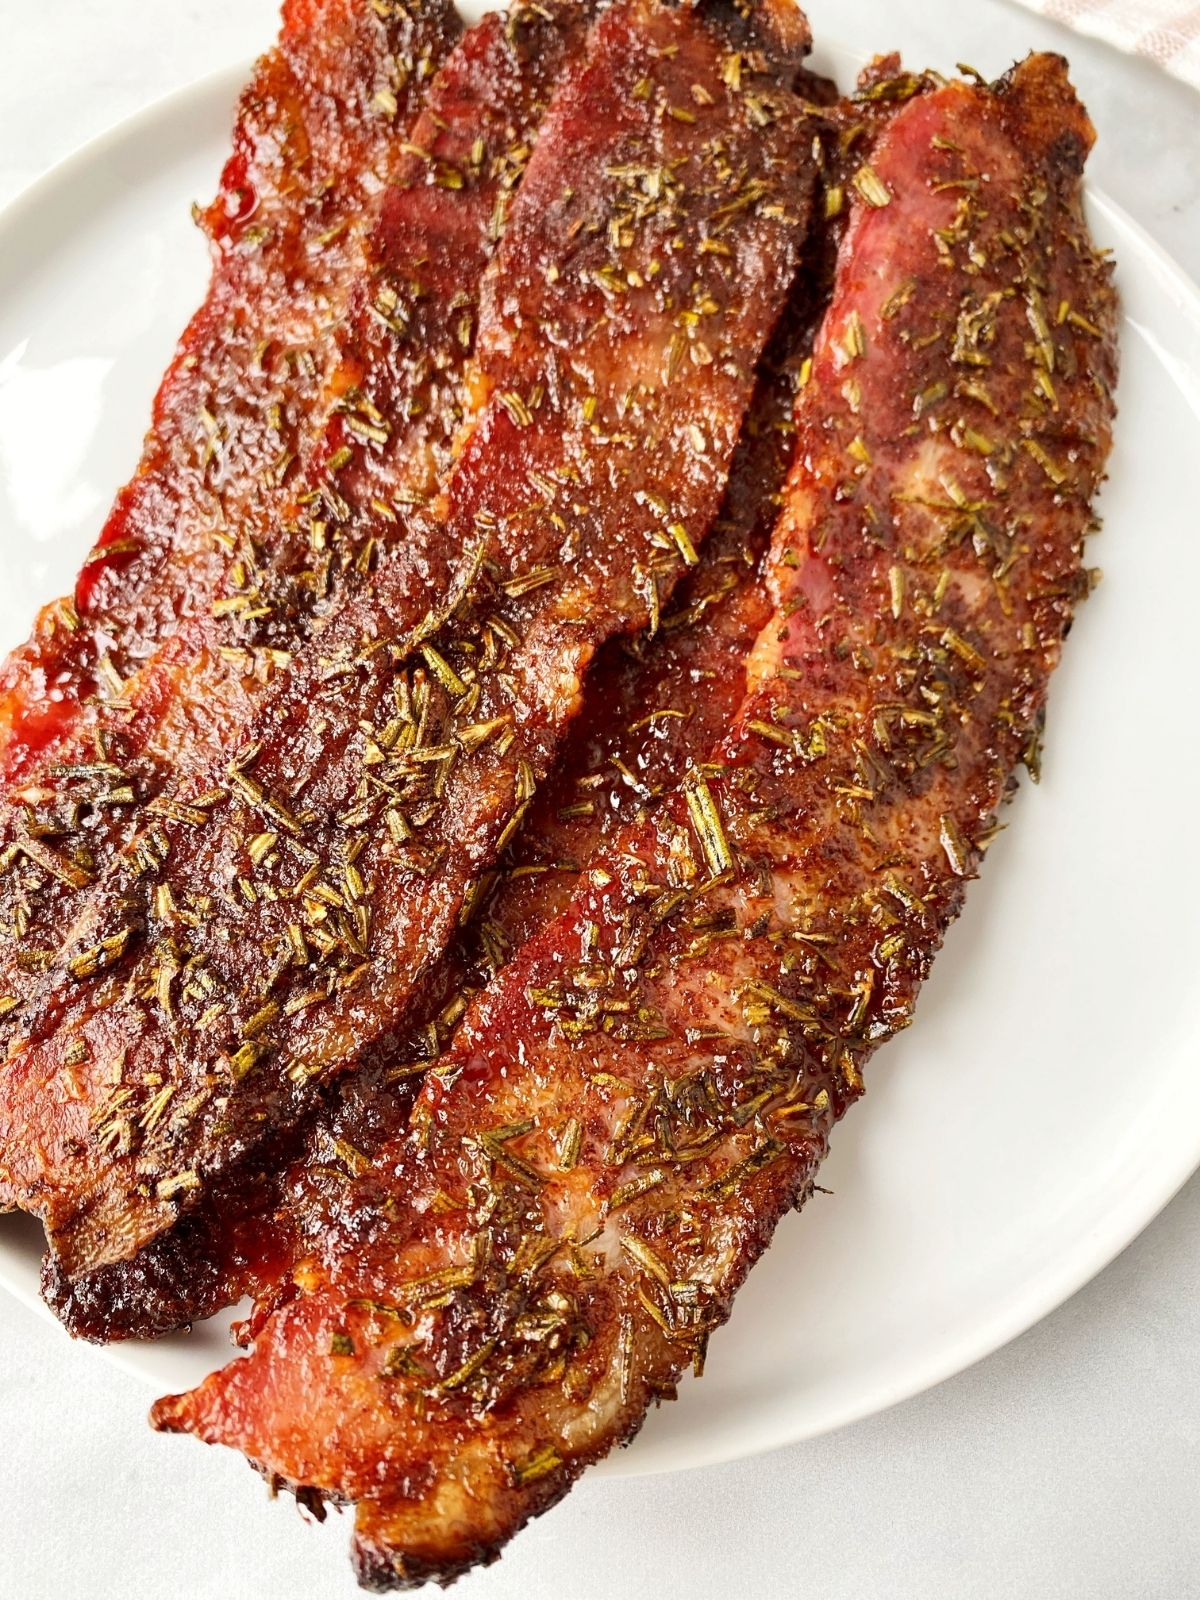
(172, 610)
(404, 349)
(655, 235)
(318, 132)
(652, 1083)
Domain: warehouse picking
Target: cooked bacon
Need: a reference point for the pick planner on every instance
(618, 763)
(619, 760)
(215, 509)
(272, 928)
(651, 1084)
(404, 353)
(318, 132)
(250, 1232)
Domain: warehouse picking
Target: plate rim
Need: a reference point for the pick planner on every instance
(1109, 1234)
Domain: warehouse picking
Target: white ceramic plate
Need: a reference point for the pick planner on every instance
(1046, 1104)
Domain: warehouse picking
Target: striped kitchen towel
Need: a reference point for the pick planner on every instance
(1166, 31)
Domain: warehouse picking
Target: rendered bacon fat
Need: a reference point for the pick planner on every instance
(394, 403)
(398, 405)
(652, 1082)
(654, 237)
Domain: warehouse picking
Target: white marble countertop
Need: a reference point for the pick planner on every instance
(1065, 1467)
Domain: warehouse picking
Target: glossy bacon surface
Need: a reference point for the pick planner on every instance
(618, 762)
(398, 396)
(306, 885)
(318, 133)
(142, 670)
(651, 707)
(652, 1082)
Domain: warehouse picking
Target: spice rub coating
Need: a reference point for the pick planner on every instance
(652, 1082)
(317, 133)
(235, 472)
(398, 405)
(619, 761)
(656, 232)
